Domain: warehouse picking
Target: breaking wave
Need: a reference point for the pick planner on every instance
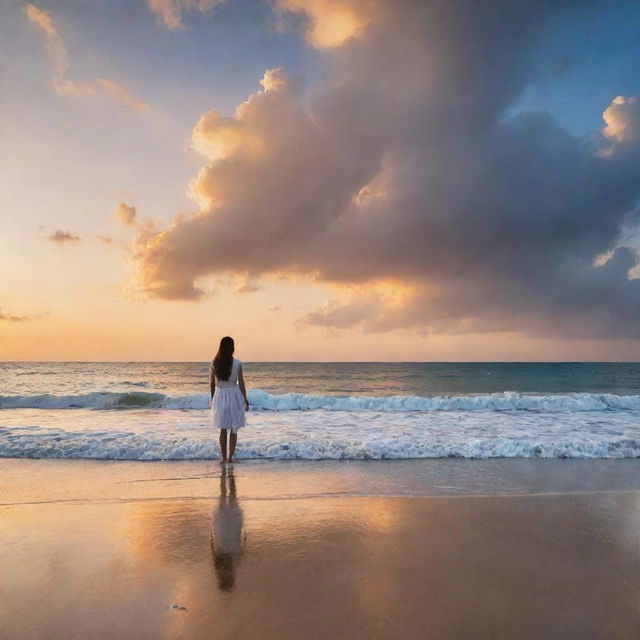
(261, 400)
(31, 442)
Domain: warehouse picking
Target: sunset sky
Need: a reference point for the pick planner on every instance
(321, 179)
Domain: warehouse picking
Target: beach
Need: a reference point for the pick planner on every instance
(383, 256)
(383, 549)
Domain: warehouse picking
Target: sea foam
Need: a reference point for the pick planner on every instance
(158, 446)
(324, 434)
(261, 400)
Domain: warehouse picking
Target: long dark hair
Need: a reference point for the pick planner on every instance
(224, 358)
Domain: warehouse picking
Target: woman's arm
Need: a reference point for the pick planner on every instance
(212, 381)
(242, 388)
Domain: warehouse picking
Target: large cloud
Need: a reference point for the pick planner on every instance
(404, 168)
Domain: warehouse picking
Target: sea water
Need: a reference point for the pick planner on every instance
(160, 411)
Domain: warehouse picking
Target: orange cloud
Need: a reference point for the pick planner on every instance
(11, 318)
(622, 119)
(270, 170)
(247, 287)
(61, 83)
(331, 23)
(125, 214)
(7, 317)
(169, 12)
(121, 94)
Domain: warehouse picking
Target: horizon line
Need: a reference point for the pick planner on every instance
(326, 361)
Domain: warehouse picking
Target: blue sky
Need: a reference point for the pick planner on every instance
(586, 55)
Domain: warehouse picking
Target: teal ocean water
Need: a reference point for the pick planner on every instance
(152, 411)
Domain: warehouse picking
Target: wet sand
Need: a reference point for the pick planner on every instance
(418, 549)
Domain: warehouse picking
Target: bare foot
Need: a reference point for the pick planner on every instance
(233, 461)
(223, 461)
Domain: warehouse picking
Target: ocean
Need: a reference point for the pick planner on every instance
(315, 411)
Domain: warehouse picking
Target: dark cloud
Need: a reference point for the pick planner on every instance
(403, 174)
(63, 237)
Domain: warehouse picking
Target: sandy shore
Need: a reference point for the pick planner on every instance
(432, 549)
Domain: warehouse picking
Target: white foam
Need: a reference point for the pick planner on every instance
(325, 434)
(261, 400)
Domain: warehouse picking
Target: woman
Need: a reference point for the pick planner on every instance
(227, 392)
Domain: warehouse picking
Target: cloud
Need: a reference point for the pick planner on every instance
(169, 12)
(247, 287)
(623, 119)
(340, 314)
(61, 83)
(105, 239)
(63, 237)
(125, 214)
(11, 318)
(7, 317)
(329, 23)
(121, 94)
(403, 168)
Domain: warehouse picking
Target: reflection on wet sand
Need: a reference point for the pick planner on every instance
(526, 567)
(227, 536)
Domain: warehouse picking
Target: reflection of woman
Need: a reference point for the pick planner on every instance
(226, 535)
(227, 395)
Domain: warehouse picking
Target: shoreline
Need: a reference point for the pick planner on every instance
(49, 478)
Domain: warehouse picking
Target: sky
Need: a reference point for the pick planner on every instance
(332, 180)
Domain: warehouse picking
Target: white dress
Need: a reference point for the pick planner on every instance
(227, 406)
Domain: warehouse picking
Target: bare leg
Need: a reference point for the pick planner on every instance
(223, 444)
(233, 439)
